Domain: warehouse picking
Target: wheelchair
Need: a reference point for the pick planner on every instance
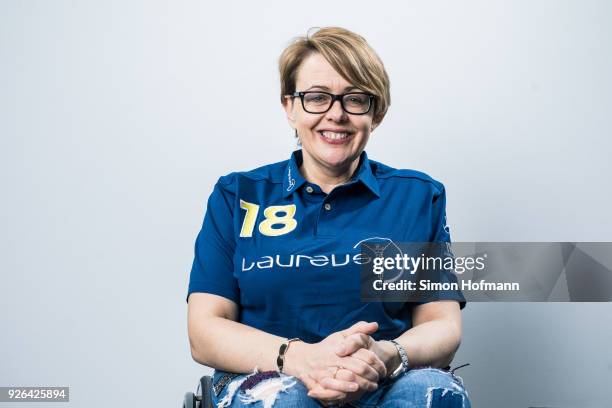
(202, 397)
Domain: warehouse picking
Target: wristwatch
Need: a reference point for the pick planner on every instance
(404, 366)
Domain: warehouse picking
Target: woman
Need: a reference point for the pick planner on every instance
(274, 293)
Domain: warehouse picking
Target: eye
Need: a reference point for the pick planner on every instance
(357, 99)
(316, 98)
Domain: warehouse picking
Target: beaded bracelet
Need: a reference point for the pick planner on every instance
(280, 360)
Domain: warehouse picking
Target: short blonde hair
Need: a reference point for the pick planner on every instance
(348, 53)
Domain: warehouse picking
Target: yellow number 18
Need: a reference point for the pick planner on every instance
(272, 218)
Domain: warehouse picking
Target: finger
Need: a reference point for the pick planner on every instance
(360, 368)
(339, 384)
(324, 394)
(371, 359)
(329, 381)
(361, 327)
(315, 390)
(365, 385)
(310, 383)
(353, 343)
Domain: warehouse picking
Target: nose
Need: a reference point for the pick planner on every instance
(336, 113)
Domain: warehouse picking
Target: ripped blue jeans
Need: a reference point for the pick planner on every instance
(425, 387)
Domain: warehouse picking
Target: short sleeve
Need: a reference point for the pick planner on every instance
(440, 229)
(441, 234)
(213, 266)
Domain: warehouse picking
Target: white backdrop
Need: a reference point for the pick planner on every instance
(117, 117)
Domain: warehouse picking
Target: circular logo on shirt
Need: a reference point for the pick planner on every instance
(380, 247)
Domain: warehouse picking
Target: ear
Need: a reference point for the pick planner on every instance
(288, 106)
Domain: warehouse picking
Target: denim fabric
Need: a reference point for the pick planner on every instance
(418, 388)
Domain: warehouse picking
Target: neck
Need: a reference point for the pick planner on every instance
(324, 176)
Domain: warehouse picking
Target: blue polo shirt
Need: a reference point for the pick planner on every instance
(283, 250)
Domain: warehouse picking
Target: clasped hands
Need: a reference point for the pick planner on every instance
(344, 365)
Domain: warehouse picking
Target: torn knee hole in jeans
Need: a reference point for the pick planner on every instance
(445, 397)
(257, 387)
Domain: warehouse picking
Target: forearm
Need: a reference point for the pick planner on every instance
(231, 346)
(432, 343)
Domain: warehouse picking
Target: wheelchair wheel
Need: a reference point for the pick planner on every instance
(206, 387)
(190, 400)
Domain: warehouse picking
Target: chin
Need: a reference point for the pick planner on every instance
(335, 159)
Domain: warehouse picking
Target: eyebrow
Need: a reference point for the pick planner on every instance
(348, 88)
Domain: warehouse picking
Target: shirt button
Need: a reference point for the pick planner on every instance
(327, 206)
(309, 189)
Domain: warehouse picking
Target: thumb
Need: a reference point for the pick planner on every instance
(361, 327)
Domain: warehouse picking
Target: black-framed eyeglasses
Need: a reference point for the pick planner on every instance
(355, 103)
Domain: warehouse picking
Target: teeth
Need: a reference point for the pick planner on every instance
(334, 135)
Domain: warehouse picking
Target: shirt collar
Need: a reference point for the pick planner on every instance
(293, 179)
(365, 175)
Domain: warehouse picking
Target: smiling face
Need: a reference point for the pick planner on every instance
(333, 140)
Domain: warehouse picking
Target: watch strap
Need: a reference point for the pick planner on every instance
(404, 366)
